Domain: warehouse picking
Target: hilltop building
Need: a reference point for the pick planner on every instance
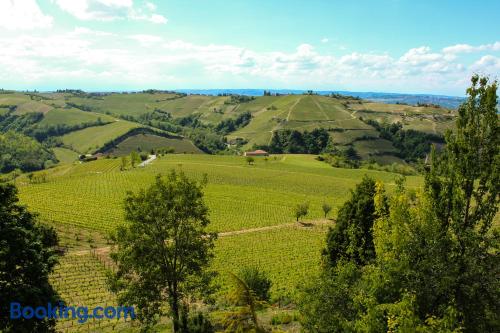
(258, 152)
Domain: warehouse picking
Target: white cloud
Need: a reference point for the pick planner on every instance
(466, 48)
(22, 15)
(82, 57)
(325, 40)
(146, 40)
(110, 10)
(487, 64)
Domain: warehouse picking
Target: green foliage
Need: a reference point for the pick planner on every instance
(206, 140)
(237, 99)
(27, 257)
(195, 323)
(163, 249)
(326, 208)
(134, 158)
(246, 303)
(437, 258)
(295, 142)
(351, 237)
(339, 160)
(20, 123)
(301, 210)
(250, 160)
(230, 125)
(257, 281)
(18, 151)
(411, 144)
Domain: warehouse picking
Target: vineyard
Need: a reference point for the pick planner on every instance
(287, 254)
(250, 206)
(239, 196)
(80, 280)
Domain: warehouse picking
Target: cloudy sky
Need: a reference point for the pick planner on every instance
(386, 46)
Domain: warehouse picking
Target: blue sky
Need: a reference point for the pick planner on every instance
(387, 45)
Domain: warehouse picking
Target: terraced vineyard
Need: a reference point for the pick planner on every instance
(80, 280)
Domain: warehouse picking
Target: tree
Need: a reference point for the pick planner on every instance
(163, 251)
(301, 210)
(463, 191)
(351, 237)
(123, 163)
(134, 158)
(250, 160)
(326, 208)
(257, 281)
(27, 257)
(244, 317)
(436, 262)
(351, 153)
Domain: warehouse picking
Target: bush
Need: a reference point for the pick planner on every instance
(283, 318)
(257, 281)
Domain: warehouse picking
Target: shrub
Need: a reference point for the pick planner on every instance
(257, 281)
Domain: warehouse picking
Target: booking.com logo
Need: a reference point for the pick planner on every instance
(61, 311)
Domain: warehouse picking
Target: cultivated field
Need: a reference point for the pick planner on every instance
(251, 206)
(147, 142)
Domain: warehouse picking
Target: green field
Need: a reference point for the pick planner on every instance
(73, 117)
(133, 104)
(64, 155)
(148, 142)
(91, 139)
(252, 206)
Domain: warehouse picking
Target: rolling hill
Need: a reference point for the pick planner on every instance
(90, 122)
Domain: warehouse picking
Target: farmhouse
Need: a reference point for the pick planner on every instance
(257, 153)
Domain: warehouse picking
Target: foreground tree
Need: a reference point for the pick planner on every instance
(257, 281)
(27, 257)
(351, 237)
(163, 251)
(437, 262)
(246, 303)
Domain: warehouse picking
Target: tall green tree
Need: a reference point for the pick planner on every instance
(437, 262)
(163, 250)
(463, 189)
(351, 238)
(27, 257)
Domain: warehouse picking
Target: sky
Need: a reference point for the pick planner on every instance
(430, 47)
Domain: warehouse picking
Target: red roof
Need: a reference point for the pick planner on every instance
(258, 151)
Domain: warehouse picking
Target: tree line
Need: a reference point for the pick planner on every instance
(295, 142)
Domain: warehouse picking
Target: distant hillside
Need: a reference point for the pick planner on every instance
(219, 121)
(451, 102)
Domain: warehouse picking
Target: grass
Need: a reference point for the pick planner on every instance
(72, 117)
(147, 142)
(90, 139)
(65, 155)
(374, 147)
(133, 104)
